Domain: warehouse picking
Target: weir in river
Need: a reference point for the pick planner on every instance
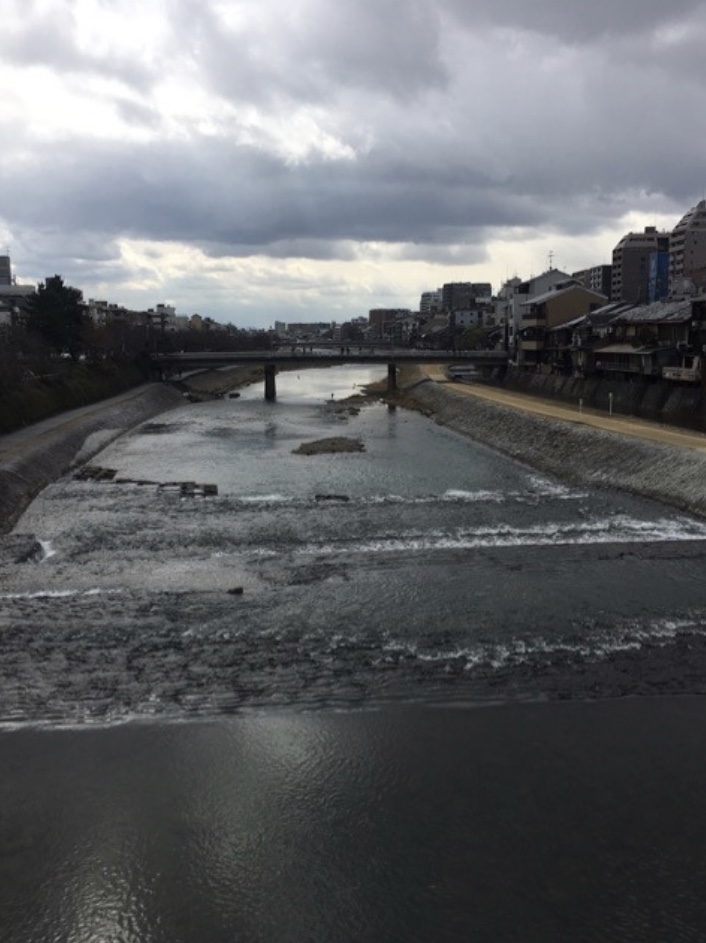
(447, 699)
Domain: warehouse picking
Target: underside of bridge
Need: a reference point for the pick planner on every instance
(271, 385)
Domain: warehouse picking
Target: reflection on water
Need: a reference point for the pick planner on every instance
(535, 822)
(318, 386)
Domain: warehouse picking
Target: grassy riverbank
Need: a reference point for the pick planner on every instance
(71, 386)
(67, 387)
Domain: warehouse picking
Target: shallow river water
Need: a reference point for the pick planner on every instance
(370, 649)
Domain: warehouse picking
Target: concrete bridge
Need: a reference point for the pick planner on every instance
(306, 355)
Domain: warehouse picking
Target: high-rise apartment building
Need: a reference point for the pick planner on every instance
(659, 277)
(631, 264)
(687, 249)
(5, 270)
(457, 296)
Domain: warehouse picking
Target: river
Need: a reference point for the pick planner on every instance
(413, 692)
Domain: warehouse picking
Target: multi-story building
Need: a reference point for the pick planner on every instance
(631, 264)
(482, 291)
(514, 294)
(597, 278)
(658, 288)
(563, 303)
(102, 312)
(463, 296)
(379, 319)
(457, 296)
(571, 346)
(430, 303)
(5, 270)
(13, 297)
(687, 250)
(465, 319)
(646, 339)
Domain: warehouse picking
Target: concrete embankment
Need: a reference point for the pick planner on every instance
(574, 452)
(34, 457)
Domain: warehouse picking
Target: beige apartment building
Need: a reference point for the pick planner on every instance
(554, 307)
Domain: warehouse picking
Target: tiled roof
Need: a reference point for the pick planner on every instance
(567, 324)
(597, 318)
(557, 293)
(657, 313)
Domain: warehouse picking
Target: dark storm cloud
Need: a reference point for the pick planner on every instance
(428, 127)
(574, 21)
(239, 201)
(240, 197)
(78, 256)
(323, 250)
(381, 46)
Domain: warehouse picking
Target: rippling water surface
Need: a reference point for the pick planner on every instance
(424, 567)
(350, 614)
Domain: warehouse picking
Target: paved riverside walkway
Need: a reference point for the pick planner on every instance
(568, 412)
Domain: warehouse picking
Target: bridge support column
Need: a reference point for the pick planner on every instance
(391, 378)
(270, 388)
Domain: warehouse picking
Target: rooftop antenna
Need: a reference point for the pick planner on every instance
(551, 259)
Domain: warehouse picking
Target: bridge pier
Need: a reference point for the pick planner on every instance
(391, 378)
(270, 388)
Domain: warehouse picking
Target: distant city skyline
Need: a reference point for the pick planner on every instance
(255, 162)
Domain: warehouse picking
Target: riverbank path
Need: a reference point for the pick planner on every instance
(568, 412)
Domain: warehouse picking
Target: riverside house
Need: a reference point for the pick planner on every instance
(569, 347)
(646, 339)
(561, 304)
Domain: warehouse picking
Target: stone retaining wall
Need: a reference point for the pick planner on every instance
(648, 399)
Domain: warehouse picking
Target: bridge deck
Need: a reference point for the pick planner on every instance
(327, 357)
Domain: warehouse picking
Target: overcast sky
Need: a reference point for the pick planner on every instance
(262, 160)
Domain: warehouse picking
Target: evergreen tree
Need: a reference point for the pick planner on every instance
(56, 313)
